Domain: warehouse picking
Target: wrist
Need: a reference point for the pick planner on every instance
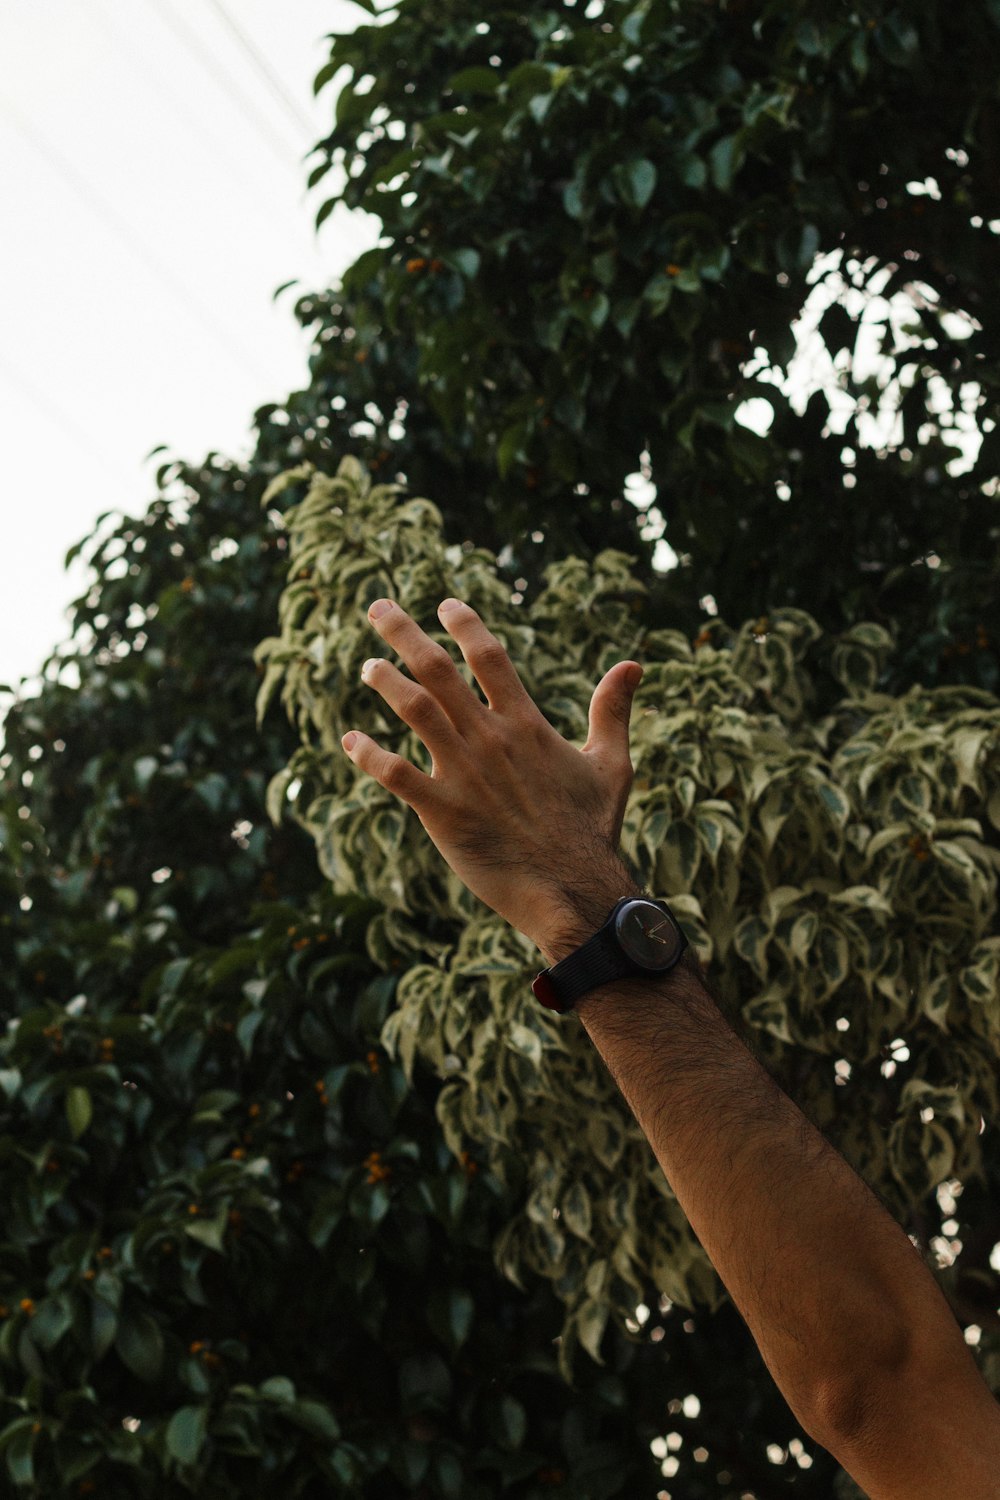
(582, 912)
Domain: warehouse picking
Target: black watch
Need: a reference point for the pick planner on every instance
(640, 937)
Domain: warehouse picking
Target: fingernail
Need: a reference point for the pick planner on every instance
(349, 741)
(379, 608)
(447, 604)
(634, 678)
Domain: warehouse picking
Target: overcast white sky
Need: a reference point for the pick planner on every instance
(153, 179)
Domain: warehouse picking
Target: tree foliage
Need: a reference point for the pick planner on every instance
(600, 225)
(837, 873)
(237, 1251)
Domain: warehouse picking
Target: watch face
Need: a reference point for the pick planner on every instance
(648, 935)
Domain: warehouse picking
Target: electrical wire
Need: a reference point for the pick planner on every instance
(122, 41)
(119, 226)
(264, 68)
(52, 412)
(220, 76)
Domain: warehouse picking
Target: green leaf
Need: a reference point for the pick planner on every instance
(605, 1138)
(327, 71)
(103, 1327)
(209, 1232)
(213, 790)
(79, 1109)
(467, 261)
(139, 1343)
(475, 81)
(635, 181)
(592, 1319)
(524, 1040)
(20, 1457)
(316, 1419)
(575, 1211)
(424, 1383)
(186, 1431)
(278, 1388)
(513, 1422)
(51, 1321)
(144, 769)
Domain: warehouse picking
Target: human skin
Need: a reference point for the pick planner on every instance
(848, 1319)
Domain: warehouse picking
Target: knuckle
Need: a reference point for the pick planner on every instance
(436, 664)
(489, 655)
(395, 777)
(420, 710)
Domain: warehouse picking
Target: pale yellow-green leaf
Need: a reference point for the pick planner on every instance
(79, 1109)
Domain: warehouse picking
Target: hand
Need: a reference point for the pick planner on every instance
(528, 822)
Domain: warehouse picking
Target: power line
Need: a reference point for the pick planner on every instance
(43, 403)
(218, 74)
(263, 66)
(233, 168)
(104, 210)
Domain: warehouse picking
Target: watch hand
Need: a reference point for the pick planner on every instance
(652, 931)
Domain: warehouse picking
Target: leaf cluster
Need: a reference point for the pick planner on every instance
(837, 874)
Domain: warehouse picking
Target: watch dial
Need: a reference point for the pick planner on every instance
(648, 935)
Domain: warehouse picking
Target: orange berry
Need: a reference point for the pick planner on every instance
(28, 1306)
(193, 1208)
(193, 1348)
(373, 1063)
(187, 585)
(105, 1252)
(418, 264)
(253, 1111)
(237, 1153)
(89, 1275)
(673, 270)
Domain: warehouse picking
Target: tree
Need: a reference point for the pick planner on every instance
(432, 1373)
(600, 224)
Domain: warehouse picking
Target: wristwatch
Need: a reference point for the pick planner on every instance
(640, 937)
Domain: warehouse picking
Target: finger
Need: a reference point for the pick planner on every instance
(431, 664)
(397, 775)
(414, 705)
(491, 666)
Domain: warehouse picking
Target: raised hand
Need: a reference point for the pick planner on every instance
(528, 822)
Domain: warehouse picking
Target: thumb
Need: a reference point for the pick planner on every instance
(611, 708)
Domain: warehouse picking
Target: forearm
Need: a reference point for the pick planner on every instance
(828, 1283)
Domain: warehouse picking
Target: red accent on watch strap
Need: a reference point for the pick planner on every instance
(545, 992)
